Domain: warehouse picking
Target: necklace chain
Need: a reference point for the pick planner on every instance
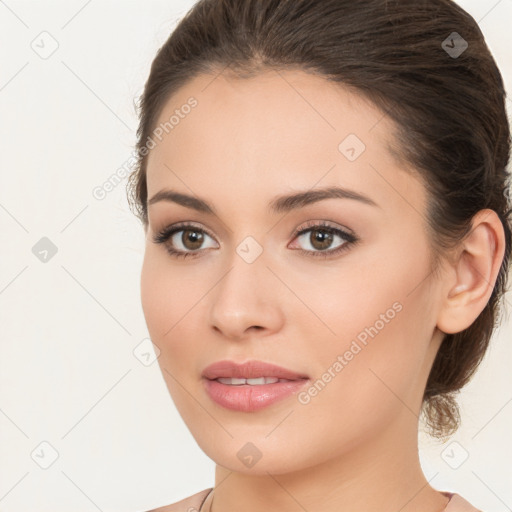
(204, 503)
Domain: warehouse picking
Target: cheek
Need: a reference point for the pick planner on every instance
(168, 300)
(373, 351)
(153, 294)
(361, 388)
(163, 293)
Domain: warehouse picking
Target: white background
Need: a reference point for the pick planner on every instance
(68, 327)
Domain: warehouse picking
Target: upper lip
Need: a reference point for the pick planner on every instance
(249, 370)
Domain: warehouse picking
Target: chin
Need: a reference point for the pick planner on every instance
(255, 455)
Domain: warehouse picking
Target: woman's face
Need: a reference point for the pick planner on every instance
(356, 314)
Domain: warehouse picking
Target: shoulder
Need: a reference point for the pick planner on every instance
(190, 504)
(458, 504)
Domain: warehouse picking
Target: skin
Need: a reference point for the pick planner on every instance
(354, 446)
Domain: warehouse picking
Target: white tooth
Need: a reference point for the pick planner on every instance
(231, 381)
(262, 380)
(256, 382)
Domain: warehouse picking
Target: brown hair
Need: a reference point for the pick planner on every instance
(449, 110)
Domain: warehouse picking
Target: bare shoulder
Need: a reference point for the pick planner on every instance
(190, 504)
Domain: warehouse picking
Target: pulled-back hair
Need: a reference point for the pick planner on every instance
(449, 109)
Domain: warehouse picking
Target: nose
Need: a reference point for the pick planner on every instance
(247, 299)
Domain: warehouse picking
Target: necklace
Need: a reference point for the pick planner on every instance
(207, 501)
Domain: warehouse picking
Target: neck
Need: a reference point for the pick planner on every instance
(384, 475)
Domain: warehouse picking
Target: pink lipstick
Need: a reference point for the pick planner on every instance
(250, 386)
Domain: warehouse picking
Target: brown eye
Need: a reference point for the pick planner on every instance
(192, 239)
(182, 240)
(320, 239)
(187, 240)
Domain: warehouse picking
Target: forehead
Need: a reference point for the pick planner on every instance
(277, 129)
(273, 107)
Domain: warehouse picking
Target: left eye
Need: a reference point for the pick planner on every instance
(324, 237)
(193, 237)
(321, 238)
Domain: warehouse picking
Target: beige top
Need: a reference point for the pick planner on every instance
(193, 503)
(458, 504)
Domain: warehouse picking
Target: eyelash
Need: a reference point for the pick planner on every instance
(350, 239)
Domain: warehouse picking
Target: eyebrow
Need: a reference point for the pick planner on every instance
(279, 204)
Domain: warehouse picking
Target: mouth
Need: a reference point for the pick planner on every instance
(258, 381)
(252, 372)
(250, 386)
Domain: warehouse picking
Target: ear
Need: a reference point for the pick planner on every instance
(473, 273)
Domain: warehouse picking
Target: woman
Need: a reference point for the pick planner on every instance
(323, 189)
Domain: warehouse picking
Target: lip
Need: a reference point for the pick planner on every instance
(245, 397)
(249, 370)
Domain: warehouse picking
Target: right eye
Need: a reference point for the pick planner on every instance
(191, 239)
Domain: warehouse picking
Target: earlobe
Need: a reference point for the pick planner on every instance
(475, 273)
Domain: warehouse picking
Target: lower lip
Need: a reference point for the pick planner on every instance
(249, 398)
